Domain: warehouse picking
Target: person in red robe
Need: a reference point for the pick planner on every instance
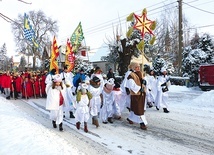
(37, 86)
(7, 84)
(42, 84)
(18, 83)
(27, 90)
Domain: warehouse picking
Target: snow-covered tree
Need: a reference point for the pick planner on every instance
(22, 63)
(194, 58)
(43, 26)
(158, 63)
(200, 51)
(206, 45)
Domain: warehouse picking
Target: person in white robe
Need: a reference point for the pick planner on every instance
(163, 84)
(151, 85)
(82, 114)
(56, 100)
(106, 111)
(95, 102)
(124, 87)
(137, 86)
(67, 78)
(118, 104)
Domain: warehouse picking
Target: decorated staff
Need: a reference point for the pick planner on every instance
(143, 25)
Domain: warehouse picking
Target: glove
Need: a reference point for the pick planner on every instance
(164, 84)
(149, 89)
(165, 89)
(127, 91)
(63, 79)
(141, 90)
(143, 82)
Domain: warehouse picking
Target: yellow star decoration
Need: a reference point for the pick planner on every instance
(143, 24)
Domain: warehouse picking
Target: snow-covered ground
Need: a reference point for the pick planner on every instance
(188, 129)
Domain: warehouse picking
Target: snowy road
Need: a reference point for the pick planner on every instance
(187, 129)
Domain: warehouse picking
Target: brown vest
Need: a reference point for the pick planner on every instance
(137, 81)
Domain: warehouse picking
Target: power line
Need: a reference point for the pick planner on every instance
(199, 8)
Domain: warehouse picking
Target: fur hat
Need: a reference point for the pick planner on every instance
(95, 79)
(57, 78)
(110, 81)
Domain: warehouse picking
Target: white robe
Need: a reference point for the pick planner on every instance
(95, 101)
(152, 85)
(123, 87)
(82, 111)
(136, 118)
(161, 100)
(70, 98)
(107, 108)
(52, 103)
(118, 104)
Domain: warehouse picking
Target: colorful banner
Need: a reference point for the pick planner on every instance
(77, 37)
(54, 55)
(69, 57)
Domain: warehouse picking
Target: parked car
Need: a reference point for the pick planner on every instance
(206, 77)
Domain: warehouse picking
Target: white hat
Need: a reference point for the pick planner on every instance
(163, 69)
(57, 78)
(84, 86)
(110, 81)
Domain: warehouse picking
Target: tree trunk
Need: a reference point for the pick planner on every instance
(34, 62)
(125, 58)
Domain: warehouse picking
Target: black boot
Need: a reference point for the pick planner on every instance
(71, 114)
(60, 127)
(54, 124)
(165, 110)
(78, 125)
(85, 127)
(143, 126)
(8, 98)
(157, 108)
(110, 120)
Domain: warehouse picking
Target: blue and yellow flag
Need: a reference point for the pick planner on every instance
(29, 33)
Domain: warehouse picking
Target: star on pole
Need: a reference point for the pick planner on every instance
(143, 24)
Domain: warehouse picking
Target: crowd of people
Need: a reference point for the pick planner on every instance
(80, 96)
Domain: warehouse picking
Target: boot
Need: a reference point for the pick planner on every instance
(157, 108)
(60, 127)
(78, 125)
(149, 104)
(96, 123)
(130, 122)
(54, 124)
(71, 114)
(93, 121)
(110, 120)
(165, 110)
(85, 127)
(143, 126)
(8, 98)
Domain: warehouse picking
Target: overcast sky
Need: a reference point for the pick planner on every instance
(98, 17)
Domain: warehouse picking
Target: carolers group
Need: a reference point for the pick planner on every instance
(23, 84)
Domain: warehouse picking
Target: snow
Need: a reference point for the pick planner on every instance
(23, 134)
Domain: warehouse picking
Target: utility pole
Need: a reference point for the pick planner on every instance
(180, 36)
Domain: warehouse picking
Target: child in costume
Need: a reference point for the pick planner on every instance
(56, 100)
(119, 102)
(82, 107)
(95, 102)
(108, 99)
